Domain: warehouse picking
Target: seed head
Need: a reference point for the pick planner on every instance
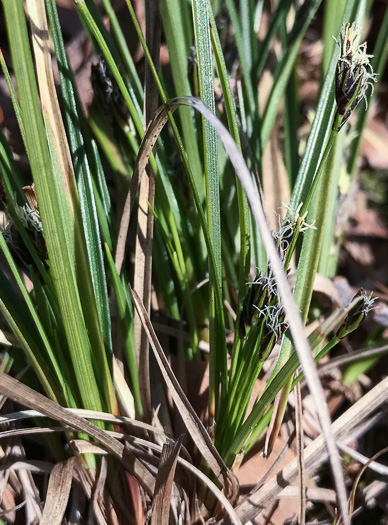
(362, 305)
(354, 72)
(257, 293)
(107, 94)
(29, 217)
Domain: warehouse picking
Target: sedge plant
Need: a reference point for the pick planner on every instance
(70, 236)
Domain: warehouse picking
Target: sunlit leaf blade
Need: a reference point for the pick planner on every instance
(83, 176)
(218, 371)
(54, 206)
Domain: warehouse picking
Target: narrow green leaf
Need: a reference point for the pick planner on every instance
(123, 48)
(53, 205)
(21, 323)
(332, 16)
(275, 24)
(284, 69)
(84, 180)
(49, 354)
(258, 13)
(218, 367)
(10, 173)
(245, 60)
(243, 209)
(291, 117)
(244, 216)
(96, 165)
(177, 25)
(15, 102)
(244, 37)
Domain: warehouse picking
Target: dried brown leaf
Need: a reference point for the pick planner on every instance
(192, 422)
(50, 106)
(147, 145)
(357, 480)
(24, 395)
(85, 447)
(98, 494)
(164, 480)
(145, 217)
(315, 453)
(58, 492)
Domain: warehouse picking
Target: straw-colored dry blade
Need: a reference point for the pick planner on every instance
(315, 453)
(164, 480)
(58, 492)
(24, 395)
(191, 420)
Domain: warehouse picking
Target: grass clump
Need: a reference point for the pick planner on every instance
(138, 204)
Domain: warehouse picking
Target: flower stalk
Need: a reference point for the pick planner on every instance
(354, 74)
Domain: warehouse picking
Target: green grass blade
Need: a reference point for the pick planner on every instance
(332, 16)
(285, 67)
(328, 258)
(243, 209)
(54, 205)
(178, 29)
(275, 24)
(96, 166)
(14, 99)
(106, 144)
(258, 13)
(205, 66)
(248, 69)
(83, 176)
(244, 216)
(51, 357)
(218, 370)
(103, 217)
(123, 48)
(19, 319)
(323, 117)
(245, 61)
(249, 40)
(291, 116)
(96, 351)
(11, 175)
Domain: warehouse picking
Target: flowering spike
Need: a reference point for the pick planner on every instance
(362, 305)
(354, 73)
(107, 95)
